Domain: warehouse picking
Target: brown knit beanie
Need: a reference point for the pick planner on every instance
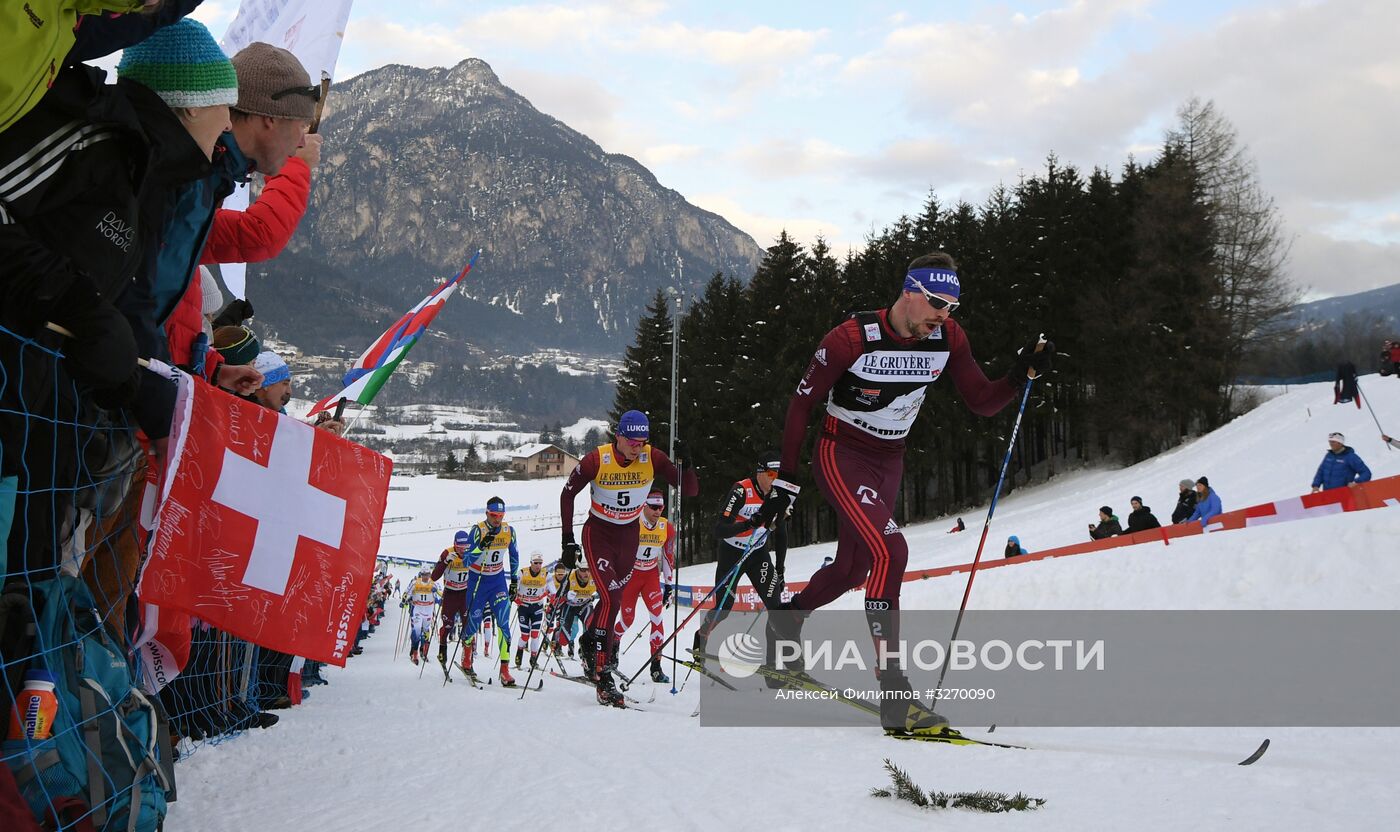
(272, 82)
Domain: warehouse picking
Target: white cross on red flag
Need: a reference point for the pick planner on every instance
(268, 528)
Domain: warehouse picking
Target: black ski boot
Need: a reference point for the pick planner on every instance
(657, 674)
(519, 656)
(607, 690)
(699, 645)
(902, 714)
(442, 654)
(588, 653)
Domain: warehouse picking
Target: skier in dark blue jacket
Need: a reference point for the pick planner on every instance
(1340, 466)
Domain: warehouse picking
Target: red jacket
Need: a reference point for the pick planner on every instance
(252, 236)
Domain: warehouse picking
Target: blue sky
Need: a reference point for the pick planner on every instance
(836, 118)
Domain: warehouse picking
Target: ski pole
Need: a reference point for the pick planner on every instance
(635, 639)
(406, 622)
(986, 526)
(398, 641)
(544, 645)
(699, 606)
(1367, 400)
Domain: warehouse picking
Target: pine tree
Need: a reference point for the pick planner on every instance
(449, 465)
(710, 412)
(645, 380)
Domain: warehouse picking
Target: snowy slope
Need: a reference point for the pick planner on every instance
(382, 746)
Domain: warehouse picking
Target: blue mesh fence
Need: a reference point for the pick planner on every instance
(89, 742)
(212, 699)
(73, 474)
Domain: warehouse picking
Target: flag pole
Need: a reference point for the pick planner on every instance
(320, 102)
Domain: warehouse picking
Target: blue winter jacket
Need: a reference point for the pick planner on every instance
(1206, 509)
(1341, 468)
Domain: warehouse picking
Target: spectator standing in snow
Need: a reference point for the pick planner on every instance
(1207, 503)
(1340, 466)
(1013, 547)
(1108, 525)
(1185, 501)
(1141, 518)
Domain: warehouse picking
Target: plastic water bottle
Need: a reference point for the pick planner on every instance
(35, 707)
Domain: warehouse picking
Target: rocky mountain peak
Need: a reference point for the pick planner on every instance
(422, 166)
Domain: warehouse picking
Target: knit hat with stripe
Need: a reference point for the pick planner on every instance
(183, 65)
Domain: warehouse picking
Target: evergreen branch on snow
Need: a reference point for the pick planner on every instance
(981, 801)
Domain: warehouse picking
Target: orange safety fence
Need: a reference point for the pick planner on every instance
(1374, 494)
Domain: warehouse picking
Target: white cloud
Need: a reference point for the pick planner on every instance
(668, 154)
(216, 15)
(731, 48)
(373, 42)
(1327, 266)
(765, 229)
(577, 100)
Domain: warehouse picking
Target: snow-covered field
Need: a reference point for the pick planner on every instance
(382, 746)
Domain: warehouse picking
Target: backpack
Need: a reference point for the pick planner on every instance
(107, 760)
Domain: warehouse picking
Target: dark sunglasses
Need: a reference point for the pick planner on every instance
(313, 93)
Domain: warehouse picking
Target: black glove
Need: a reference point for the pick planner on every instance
(102, 351)
(1028, 359)
(487, 539)
(569, 554)
(234, 313)
(773, 505)
(679, 452)
(514, 585)
(666, 595)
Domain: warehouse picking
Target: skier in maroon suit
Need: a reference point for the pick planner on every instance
(872, 372)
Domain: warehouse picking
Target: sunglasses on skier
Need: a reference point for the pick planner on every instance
(939, 303)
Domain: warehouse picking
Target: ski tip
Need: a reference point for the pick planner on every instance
(1258, 752)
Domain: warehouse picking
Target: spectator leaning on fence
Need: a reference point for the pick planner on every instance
(1340, 466)
(1185, 502)
(1207, 503)
(276, 102)
(85, 174)
(1108, 525)
(1141, 518)
(1013, 547)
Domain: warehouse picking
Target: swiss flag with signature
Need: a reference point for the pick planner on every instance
(267, 527)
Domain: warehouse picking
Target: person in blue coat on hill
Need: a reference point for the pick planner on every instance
(1340, 466)
(1207, 503)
